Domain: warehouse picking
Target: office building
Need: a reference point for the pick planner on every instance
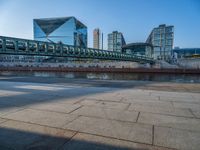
(116, 41)
(140, 49)
(162, 38)
(67, 30)
(96, 38)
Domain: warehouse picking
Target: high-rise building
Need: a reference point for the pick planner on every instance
(96, 38)
(67, 30)
(116, 41)
(162, 38)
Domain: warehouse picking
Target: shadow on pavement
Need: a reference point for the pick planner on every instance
(12, 139)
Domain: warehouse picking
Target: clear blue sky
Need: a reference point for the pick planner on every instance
(134, 18)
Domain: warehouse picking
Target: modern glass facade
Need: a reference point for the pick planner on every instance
(116, 41)
(96, 38)
(67, 30)
(162, 38)
(140, 49)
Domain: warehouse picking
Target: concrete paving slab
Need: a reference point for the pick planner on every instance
(172, 94)
(127, 98)
(115, 114)
(196, 113)
(133, 92)
(174, 138)
(2, 120)
(65, 100)
(4, 110)
(111, 128)
(175, 99)
(104, 104)
(160, 109)
(80, 92)
(52, 119)
(152, 103)
(170, 121)
(83, 141)
(57, 107)
(105, 96)
(19, 135)
(196, 96)
(192, 106)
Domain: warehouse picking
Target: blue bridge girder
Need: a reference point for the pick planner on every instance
(17, 46)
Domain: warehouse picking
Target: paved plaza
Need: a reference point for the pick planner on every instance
(69, 114)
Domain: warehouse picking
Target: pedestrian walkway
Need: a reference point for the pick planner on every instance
(155, 116)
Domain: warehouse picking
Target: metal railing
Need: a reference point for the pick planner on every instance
(16, 46)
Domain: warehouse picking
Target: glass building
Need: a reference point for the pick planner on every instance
(140, 49)
(67, 30)
(116, 41)
(162, 38)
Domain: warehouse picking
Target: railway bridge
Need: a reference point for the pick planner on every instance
(17, 46)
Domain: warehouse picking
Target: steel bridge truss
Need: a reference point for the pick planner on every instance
(16, 46)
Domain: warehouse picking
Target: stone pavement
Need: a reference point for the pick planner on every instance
(146, 116)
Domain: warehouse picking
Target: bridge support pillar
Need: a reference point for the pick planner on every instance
(27, 46)
(16, 45)
(3, 44)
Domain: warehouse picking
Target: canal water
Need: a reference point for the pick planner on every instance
(188, 78)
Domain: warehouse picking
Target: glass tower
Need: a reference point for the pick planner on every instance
(116, 41)
(162, 38)
(67, 30)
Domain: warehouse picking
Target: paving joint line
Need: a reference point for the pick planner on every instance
(78, 101)
(193, 113)
(68, 140)
(70, 121)
(75, 109)
(138, 116)
(126, 109)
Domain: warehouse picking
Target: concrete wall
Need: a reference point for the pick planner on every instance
(192, 63)
(15, 60)
(165, 65)
(100, 64)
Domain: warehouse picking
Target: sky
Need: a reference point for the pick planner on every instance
(134, 18)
